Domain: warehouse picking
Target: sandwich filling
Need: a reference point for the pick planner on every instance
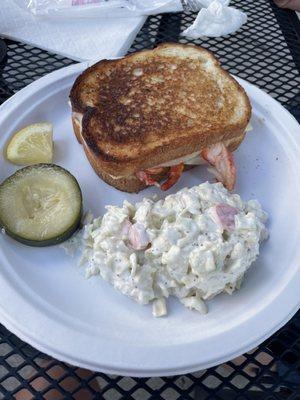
(190, 159)
(217, 156)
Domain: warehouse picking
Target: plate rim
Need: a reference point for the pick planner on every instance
(13, 103)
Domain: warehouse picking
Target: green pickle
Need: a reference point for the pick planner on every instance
(40, 205)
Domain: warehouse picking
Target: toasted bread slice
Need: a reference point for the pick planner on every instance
(132, 184)
(154, 106)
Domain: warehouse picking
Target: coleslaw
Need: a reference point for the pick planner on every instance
(193, 245)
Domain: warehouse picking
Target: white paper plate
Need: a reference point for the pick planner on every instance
(46, 301)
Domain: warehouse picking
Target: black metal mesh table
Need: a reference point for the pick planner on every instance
(266, 52)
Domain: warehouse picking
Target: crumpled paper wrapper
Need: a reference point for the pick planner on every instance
(216, 19)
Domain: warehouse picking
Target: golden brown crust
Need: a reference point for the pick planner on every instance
(154, 106)
(126, 184)
(131, 183)
(102, 162)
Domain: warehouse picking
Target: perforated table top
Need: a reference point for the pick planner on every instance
(266, 51)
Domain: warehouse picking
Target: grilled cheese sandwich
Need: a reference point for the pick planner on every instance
(152, 114)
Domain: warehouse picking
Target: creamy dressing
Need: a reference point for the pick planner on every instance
(184, 251)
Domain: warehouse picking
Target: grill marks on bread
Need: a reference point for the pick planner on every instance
(156, 105)
(159, 100)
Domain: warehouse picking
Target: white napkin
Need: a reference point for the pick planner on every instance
(100, 8)
(80, 39)
(217, 19)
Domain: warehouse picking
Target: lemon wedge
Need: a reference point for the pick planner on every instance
(31, 145)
